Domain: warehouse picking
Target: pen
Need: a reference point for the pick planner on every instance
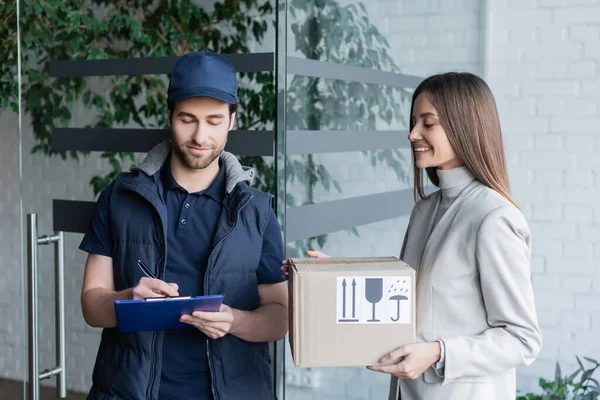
(145, 269)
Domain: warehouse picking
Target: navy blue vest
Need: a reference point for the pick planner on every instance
(128, 364)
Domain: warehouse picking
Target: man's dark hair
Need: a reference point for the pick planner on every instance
(171, 108)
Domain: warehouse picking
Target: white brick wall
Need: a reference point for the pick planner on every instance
(555, 140)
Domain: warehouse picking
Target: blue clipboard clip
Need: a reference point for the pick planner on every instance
(161, 313)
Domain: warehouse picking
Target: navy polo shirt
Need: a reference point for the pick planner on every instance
(191, 222)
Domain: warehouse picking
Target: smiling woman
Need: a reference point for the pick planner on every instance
(471, 246)
(430, 143)
(458, 118)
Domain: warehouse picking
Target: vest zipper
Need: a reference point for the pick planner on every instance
(154, 334)
(206, 275)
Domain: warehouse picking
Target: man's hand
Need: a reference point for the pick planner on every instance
(214, 324)
(410, 361)
(149, 287)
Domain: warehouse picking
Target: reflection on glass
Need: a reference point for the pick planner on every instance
(58, 30)
(73, 30)
(332, 31)
(406, 39)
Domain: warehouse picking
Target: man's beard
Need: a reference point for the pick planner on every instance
(197, 162)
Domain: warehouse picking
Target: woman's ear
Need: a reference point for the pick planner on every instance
(231, 121)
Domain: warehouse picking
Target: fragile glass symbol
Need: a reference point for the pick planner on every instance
(373, 293)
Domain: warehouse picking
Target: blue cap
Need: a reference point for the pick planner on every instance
(203, 74)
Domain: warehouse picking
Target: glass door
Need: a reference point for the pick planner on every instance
(94, 79)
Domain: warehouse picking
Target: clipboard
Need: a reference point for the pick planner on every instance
(161, 313)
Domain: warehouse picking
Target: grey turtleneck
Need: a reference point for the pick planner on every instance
(452, 183)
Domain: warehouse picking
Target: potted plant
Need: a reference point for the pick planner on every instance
(579, 385)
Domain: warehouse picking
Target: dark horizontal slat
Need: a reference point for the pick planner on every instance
(251, 143)
(107, 139)
(241, 143)
(301, 222)
(72, 215)
(255, 62)
(321, 69)
(318, 219)
(313, 142)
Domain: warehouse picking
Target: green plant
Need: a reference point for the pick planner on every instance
(579, 385)
(101, 29)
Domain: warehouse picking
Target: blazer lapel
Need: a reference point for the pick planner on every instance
(419, 230)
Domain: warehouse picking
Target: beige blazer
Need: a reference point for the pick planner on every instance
(474, 293)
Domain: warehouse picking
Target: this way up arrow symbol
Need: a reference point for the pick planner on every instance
(353, 298)
(344, 299)
(344, 284)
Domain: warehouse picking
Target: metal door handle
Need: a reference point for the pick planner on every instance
(35, 376)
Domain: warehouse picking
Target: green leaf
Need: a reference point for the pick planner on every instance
(580, 363)
(586, 375)
(574, 375)
(557, 374)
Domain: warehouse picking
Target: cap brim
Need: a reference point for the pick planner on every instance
(201, 91)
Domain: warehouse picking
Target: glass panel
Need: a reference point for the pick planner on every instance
(280, 347)
(99, 30)
(407, 38)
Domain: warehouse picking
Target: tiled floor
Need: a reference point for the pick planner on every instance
(13, 390)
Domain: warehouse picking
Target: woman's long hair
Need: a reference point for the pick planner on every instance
(467, 111)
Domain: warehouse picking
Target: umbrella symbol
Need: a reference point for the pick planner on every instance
(398, 298)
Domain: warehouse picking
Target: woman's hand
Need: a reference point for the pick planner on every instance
(410, 361)
(310, 253)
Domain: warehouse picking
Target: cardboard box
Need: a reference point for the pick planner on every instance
(349, 312)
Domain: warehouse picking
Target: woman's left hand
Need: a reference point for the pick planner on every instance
(409, 361)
